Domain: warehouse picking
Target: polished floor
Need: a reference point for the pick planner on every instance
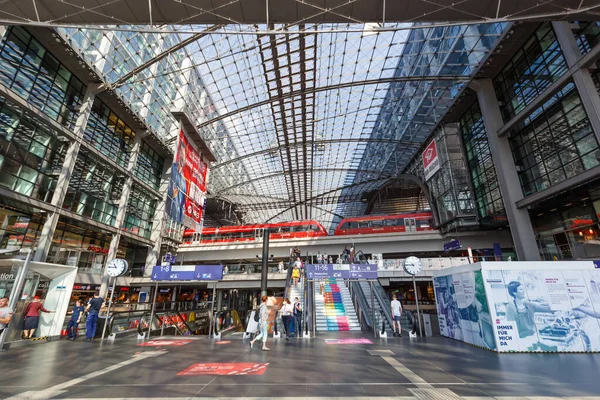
(432, 368)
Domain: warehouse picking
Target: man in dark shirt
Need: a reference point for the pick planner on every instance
(93, 309)
(75, 320)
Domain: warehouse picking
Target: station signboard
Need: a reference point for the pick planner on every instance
(341, 271)
(187, 273)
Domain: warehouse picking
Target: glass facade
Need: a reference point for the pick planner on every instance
(94, 190)
(530, 71)
(558, 144)
(140, 213)
(38, 77)
(149, 166)
(587, 35)
(109, 134)
(30, 155)
(488, 200)
(449, 187)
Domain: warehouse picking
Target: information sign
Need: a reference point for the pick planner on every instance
(187, 273)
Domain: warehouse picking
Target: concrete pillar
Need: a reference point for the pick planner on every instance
(581, 77)
(219, 300)
(123, 200)
(62, 184)
(508, 179)
(158, 224)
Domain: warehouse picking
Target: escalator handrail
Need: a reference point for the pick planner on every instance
(288, 277)
(362, 302)
(141, 314)
(307, 306)
(383, 302)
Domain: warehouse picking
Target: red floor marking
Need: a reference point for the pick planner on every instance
(223, 342)
(348, 341)
(225, 369)
(166, 343)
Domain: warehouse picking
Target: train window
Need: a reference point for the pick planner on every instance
(345, 225)
(376, 223)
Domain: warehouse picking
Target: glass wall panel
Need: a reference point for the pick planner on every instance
(94, 190)
(31, 156)
(149, 166)
(587, 34)
(140, 212)
(490, 208)
(556, 145)
(532, 69)
(37, 76)
(109, 134)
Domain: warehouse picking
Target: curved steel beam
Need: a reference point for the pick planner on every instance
(317, 142)
(366, 82)
(300, 171)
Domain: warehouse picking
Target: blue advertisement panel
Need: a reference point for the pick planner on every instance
(187, 273)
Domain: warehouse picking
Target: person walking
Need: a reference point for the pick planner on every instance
(73, 325)
(93, 309)
(297, 317)
(5, 313)
(32, 316)
(295, 275)
(396, 314)
(263, 324)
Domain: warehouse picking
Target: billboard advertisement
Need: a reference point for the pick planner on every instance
(187, 187)
(431, 161)
(463, 310)
(536, 310)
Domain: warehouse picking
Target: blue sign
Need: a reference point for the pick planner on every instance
(363, 271)
(187, 273)
(452, 245)
(323, 271)
(170, 258)
(597, 263)
(341, 271)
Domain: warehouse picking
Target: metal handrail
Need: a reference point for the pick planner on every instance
(363, 305)
(379, 296)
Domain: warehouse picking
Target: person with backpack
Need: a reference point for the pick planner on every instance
(297, 316)
(263, 323)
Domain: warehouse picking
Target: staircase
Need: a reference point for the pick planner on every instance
(335, 311)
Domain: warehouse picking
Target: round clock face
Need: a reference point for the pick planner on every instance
(116, 267)
(412, 265)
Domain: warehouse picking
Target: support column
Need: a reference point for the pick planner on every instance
(123, 200)
(158, 224)
(581, 77)
(508, 179)
(64, 177)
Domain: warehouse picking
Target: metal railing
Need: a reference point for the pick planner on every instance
(363, 310)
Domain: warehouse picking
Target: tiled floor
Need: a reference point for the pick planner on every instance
(434, 368)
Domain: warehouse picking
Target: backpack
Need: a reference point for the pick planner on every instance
(256, 316)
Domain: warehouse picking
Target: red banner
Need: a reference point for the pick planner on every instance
(187, 189)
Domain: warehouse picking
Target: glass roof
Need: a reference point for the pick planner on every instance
(303, 123)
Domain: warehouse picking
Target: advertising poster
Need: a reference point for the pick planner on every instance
(536, 310)
(431, 162)
(187, 187)
(446, 307)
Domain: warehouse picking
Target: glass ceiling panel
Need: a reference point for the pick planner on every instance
(303, 124)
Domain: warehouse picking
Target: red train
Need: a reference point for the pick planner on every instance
(249, 233)
(417, 221)
(407, 222)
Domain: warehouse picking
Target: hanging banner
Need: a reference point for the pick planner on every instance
(187, 188)
(431, 162)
